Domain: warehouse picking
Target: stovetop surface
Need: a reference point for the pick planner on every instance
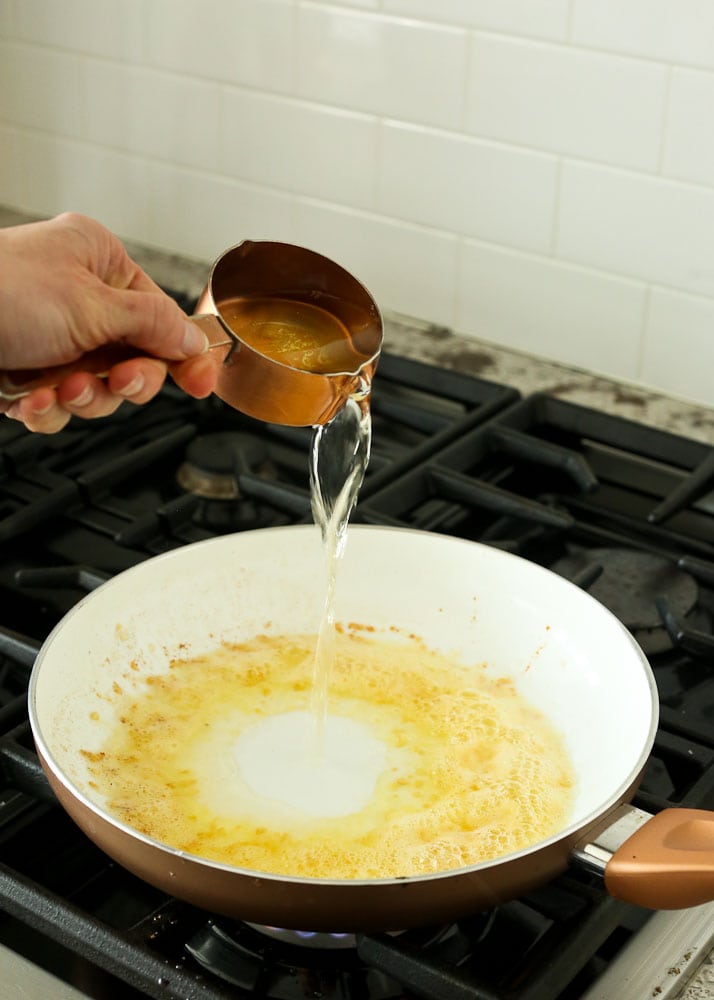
(622, 509)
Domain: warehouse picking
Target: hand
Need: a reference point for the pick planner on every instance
(68, 286)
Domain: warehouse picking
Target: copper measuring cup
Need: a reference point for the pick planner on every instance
(249, 379)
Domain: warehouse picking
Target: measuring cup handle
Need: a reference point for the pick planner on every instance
(16, 384)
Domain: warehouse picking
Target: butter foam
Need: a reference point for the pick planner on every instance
(429, 765)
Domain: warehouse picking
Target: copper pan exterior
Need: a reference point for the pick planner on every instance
(322, 905)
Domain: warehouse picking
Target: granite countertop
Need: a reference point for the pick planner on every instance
(413, 338)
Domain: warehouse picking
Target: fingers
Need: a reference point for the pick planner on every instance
(46, 411)
(80, 394)
(137, 381)
(152, 322)
(39, 412)
(197, 376)
(83, 395)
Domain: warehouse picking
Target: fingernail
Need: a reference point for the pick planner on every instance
(133, 387)
(195, 340)
(39, 411)
(83, 399)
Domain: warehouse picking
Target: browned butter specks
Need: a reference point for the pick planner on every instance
(470, 771)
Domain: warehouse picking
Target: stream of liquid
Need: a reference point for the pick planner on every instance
(340, 453)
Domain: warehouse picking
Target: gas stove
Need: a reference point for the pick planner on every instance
(623, 510)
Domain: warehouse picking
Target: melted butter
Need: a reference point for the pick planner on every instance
(450, 767)
(296, 333)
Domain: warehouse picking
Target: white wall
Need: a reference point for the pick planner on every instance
(537, 173)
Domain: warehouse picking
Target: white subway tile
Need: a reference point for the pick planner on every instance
(202, 215)
(531, 18)
(237, 41)
(466, 186)
(295, 146)
(74, 176)
(552, 309)
(689, 148)
(631, 224)
(145, 111)
(679, 31)
(385, 65)
(406, 269)
(566, 100)
(40, 88)
(114, 30)
(679, 346)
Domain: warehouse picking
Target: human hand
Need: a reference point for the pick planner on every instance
(67, 287)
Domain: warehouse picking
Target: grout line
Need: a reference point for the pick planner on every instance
(466, 87)
(570, 22)
(665, 122)
(642, 344)
(555, 227)
(378, 159)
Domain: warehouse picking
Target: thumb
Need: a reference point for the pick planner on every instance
(153, 323)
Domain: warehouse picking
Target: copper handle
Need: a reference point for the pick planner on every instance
(668, 863)
(17, 384)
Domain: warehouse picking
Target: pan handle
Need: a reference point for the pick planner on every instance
(665, 862)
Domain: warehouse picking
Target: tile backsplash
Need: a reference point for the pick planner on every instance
(534, 173)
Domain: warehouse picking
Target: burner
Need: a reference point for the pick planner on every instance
(302, 964)
(306, 939)
(628, 583)
(292, 967)
(214, 462)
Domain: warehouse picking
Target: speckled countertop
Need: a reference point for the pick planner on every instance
(425, 342)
